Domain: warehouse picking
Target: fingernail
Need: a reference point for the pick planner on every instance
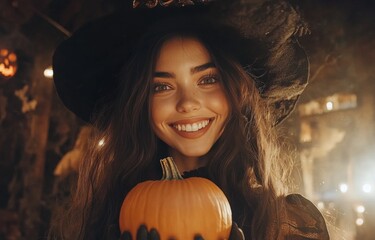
(142, 233)
(154, 235)
(126, 236)
(198, 237)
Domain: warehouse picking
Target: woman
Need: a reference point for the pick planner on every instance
(187, 84)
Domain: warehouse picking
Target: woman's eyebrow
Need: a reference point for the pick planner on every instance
(202, 67)
(193, 70)
(164, 75)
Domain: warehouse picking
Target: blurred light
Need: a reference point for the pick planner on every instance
(366, 188)
(8, 63)
(360, 209)
(343, 187)
(101, 142)
(359, 221)
(48, 72)
(320, 205)
(329, 105)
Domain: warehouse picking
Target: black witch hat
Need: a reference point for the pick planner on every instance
(87, 64)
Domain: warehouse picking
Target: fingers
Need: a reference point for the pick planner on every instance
(154, 235)
(126, 236)
(198, 237)
(236, 233)
(142, 233)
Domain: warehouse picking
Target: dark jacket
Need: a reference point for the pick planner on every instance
(300, 219)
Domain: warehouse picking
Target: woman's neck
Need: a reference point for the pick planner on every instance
(185, 163)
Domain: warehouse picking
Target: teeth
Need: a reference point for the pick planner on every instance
(191, 127)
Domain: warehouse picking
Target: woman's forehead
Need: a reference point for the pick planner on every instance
(186, 50)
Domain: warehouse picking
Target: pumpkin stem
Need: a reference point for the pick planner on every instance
(170, 170)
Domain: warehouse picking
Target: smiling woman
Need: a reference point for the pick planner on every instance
(188, 106)
(185, 85)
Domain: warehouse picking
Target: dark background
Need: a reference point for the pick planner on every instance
(334, 147)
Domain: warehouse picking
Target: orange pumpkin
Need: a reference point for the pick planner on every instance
(178, 208)
(8, 63)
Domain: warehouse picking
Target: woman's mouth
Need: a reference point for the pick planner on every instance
(192, 129)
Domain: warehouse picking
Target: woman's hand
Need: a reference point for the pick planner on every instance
(236, 233)
(142, 234)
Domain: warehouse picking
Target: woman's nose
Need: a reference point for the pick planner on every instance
(188, 101)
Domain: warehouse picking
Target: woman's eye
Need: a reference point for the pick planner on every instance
(209, 80)
(161, 87)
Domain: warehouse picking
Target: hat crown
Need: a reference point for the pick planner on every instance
(166, 3)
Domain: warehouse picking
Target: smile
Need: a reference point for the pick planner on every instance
(191, 127)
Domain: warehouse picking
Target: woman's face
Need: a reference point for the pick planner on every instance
(188, 104)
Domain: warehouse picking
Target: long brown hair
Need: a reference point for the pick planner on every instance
(244, 162)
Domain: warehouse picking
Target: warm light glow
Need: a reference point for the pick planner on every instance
(3, 52)
(366, 188)
(48, 72)
(12, 57)
(337, 101)
(329, 105)
(343, 187)
(7, 71)
(360, 209)
(320, 205)
(8, 63)
(359, 221)
(101, 143)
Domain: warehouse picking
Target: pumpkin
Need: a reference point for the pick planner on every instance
(177, 208)
(8, 63)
